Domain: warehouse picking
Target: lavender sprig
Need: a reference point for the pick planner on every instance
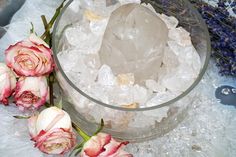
(222, 28)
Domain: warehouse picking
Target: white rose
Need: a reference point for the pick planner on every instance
(31, 92)
(51, 131)
(7, 83)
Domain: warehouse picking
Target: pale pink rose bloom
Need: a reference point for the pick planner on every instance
(30, 57)
(31, 92)
(51, 131)
(103, 145)
(7, 83)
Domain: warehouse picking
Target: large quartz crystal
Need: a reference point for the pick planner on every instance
(134, 42)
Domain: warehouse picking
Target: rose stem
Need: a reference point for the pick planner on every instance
(51, 22)
(47, 36)
(45, 23)
(100, 127)
(77, 149)
(51, 80)
(85, 136)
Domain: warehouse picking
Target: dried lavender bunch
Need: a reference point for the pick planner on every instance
(222, 28)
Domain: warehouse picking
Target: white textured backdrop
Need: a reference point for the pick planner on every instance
(208, 131)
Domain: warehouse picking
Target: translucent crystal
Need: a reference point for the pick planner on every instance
(134, 42)
(170, 21)
(105, 76)
(125, 79)
(152, 85)
(140, 94)
(181, 36)
(121, 95)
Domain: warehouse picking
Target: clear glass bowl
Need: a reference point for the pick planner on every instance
(146, 122)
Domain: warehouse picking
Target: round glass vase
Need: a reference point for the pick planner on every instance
(146, 122)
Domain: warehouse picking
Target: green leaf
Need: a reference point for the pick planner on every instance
(22, 117)
(32, 28)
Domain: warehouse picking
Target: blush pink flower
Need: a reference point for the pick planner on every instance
(7, 83)
(31, 92)
(103, 145)
(30, 57)
(51, 131)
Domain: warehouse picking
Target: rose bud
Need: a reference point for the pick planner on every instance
(30, 57)
(8, 83)
(31, 92)
(103, 145)
(51, 131)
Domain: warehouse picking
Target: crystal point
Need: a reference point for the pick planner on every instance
(134, 42)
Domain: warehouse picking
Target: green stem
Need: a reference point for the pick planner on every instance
(45, 23)
(77, 149)
(51, 81)
(85, 136)
(100, 127)
(51, 22)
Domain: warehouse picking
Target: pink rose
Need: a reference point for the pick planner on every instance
(7, 83)
(103, 145)
(51, 131)
(30, 57)
(31, 92)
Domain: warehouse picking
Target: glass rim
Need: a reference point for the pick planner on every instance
(187, 91)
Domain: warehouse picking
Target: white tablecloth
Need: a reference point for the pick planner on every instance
(208, 131)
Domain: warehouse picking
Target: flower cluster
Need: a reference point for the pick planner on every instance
(29, 61)
(222, 28)
(51, 130)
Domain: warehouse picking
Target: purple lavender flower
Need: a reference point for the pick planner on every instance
(222, 28)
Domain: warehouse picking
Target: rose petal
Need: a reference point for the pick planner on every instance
(56, 141)
(35, 39)
(95, 145)
(103, 145)
(32, 125)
